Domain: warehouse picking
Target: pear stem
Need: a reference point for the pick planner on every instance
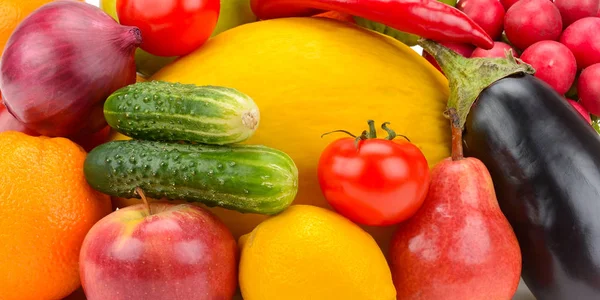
(457, 146)
(145, 200)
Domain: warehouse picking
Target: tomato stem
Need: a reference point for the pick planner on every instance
(457, 146)
(343, 131)
(146, 204)
(392, 134)
(363, 136)
(372, 130)
(371, 134)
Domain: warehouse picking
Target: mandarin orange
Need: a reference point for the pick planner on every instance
(46, 209)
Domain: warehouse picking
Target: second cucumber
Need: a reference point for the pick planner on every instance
(164, 111)
(245, 178)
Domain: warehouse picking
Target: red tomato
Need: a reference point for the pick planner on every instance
(170, 27)
(381, 183)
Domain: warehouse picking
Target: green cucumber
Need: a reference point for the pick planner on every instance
(245, 178)
(164, 111)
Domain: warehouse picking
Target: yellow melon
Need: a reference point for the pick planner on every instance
(313, 75)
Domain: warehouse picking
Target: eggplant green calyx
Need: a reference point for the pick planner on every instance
(371, 134)
(468, 77)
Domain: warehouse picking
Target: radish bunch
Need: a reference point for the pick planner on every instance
(559, 38)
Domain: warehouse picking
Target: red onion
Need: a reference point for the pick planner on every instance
(9, 123)
(61, 63)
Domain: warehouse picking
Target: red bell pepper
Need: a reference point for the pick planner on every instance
(429, 19)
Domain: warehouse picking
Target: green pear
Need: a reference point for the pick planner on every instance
(233, 13)
(110, 7)
(147, 64)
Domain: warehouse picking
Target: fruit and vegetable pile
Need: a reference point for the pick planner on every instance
(279, 149)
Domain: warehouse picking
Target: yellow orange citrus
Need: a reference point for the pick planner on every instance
(46, 209)
(308, 252)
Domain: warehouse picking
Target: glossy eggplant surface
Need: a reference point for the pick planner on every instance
(545, 163)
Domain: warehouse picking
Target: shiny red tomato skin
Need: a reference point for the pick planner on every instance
(170, 27)
(379, 184)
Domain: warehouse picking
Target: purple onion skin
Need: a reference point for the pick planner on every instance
(61, 63)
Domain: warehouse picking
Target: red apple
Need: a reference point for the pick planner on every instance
(177, 251)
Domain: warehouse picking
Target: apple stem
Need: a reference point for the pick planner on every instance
(146, 204)
(457, 146)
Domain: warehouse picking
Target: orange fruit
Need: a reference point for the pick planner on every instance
(46, 209)
(12, 12)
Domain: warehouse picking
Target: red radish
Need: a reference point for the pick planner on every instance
(581, 110)
(582, 38)
(508, 3)
(463, 49)
(573, 10)
(588, 88)
(497, 51)
(489, 14)
(530, 21)
(553, 62)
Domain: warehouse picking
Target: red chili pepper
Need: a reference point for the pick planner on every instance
(429, 19)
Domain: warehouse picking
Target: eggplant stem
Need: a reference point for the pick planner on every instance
(468, 77)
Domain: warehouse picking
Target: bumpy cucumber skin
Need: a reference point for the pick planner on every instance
(245, 178)
(164, 111)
